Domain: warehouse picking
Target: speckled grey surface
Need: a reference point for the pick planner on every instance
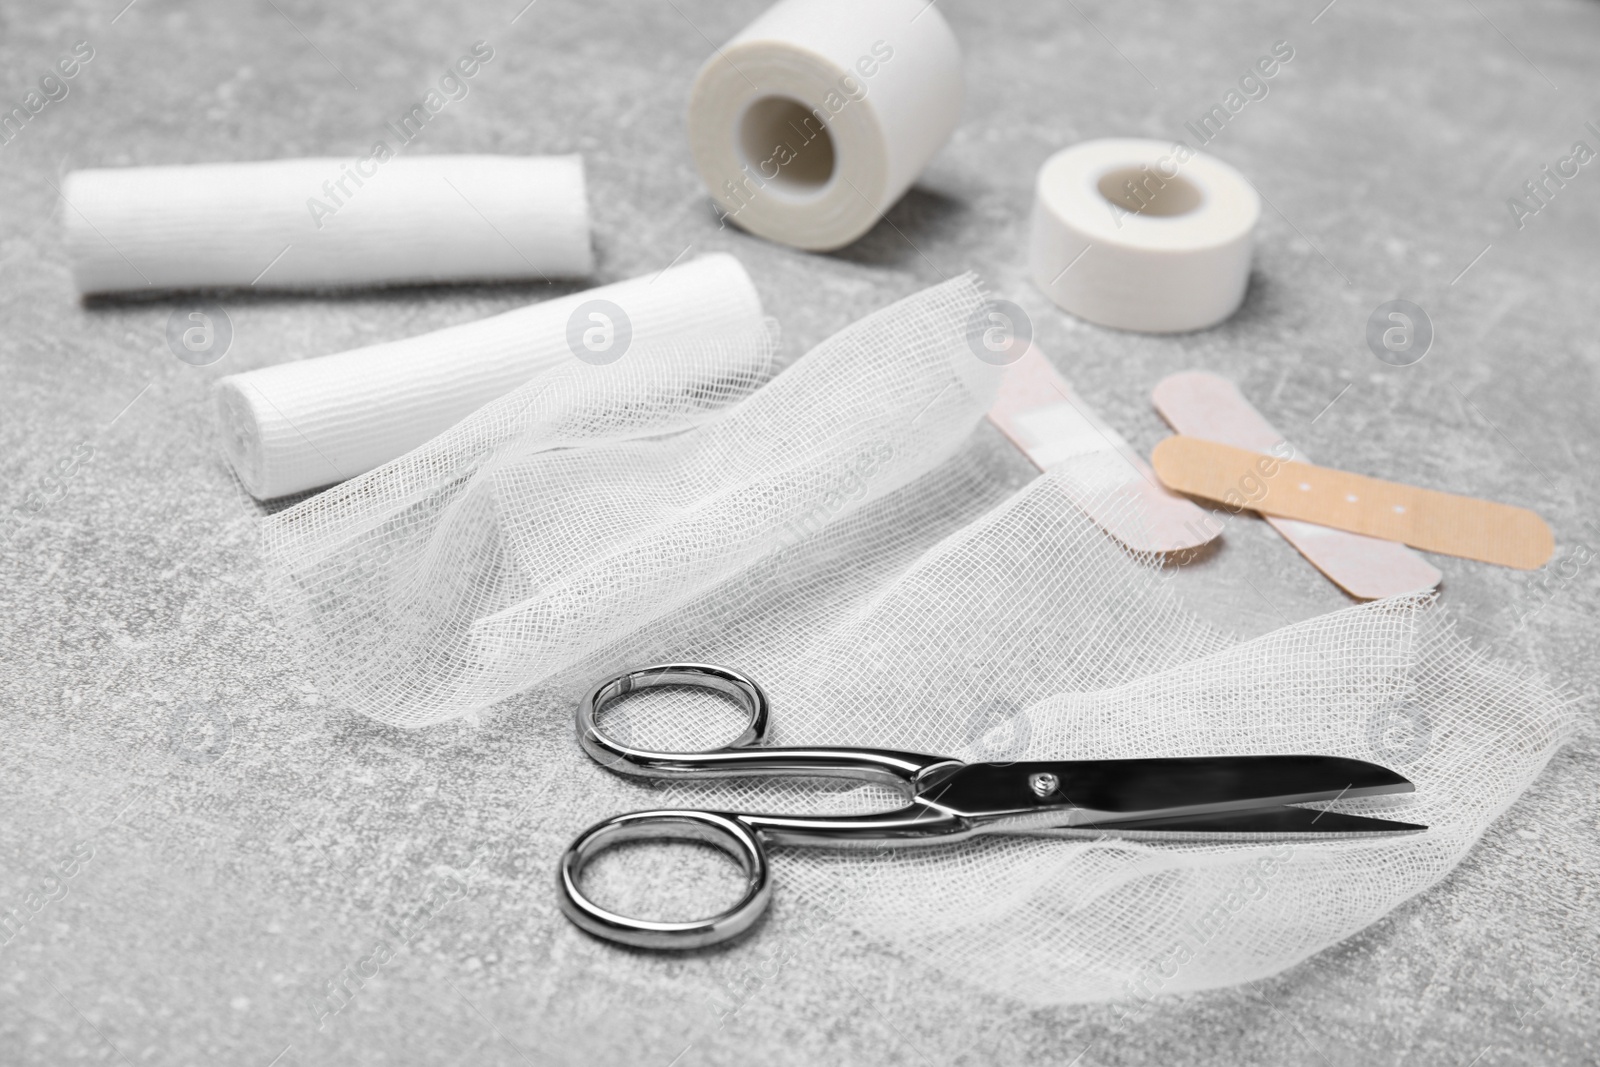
(219, 898)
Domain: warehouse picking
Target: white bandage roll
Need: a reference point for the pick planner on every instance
(305, 223)
(297, 426)
(1142, 235)
(819, 115)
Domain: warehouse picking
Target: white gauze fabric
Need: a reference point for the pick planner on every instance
(948, 619)
(309, 223)
(564, 516)
(925, 602)
(299, 425)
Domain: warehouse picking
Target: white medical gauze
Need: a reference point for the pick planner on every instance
(310, 223)
(843, 537)
(943, 619)
(489, 559)
(299, 425)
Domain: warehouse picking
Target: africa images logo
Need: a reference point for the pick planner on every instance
(199, 334)
(453, 86)
(1399, 333)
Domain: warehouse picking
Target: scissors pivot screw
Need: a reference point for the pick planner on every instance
(1043, 783)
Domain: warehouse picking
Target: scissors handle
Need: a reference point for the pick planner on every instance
(727, 832)
(744, 755)
(744, 838)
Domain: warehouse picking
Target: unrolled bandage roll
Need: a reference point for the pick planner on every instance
(297, 426)
(1142, 235)
(304, 223)
(814, 119)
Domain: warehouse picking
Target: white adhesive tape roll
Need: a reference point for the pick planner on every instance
(1142, 235)
(301, 223)
(300, 425)
(819, 115)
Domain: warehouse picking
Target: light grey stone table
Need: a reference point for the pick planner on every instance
(218, 900)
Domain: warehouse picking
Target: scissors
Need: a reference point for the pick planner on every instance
(1225, 797)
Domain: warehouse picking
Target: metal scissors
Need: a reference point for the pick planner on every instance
(947, 800)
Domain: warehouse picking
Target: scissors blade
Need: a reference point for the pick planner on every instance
(1066, 793)
(1298, 822)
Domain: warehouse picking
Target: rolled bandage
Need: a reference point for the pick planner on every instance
(1142, 235)
(297, 426)
(305, 223)
(818, 116)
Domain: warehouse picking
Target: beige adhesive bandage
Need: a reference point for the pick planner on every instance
(1050, 423)
(1446, 523)
(1211, 407)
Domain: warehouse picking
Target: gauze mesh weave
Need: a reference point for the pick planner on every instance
(946, 620)
(567, 514)
(838, 536)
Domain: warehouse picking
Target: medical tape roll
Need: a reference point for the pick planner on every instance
(818, 116)
(297, 426)
(1142, 235)
(304, 223)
